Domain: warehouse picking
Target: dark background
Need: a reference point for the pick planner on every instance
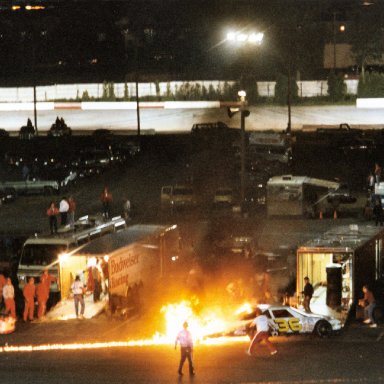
(95, 41)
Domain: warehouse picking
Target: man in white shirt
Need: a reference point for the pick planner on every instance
(262, 333)
(9, 298)
(184, 338)
(78, 296)
(64, 208)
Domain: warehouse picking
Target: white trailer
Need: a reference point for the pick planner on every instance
(138, 258)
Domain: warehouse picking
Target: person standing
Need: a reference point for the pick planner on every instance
(106, 199)
(63, 208)
(96, 283)
(42, 293)
(262, 333)
(184, 338)
(78, 296)
(2, 283)
(29, 293)
(52, 213)
(9, 298)
(369, 304)
(71, 211)
(377, 173)
(378, 212)
(127, 209)
(308, 293)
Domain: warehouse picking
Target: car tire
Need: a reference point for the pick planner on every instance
(323, 328)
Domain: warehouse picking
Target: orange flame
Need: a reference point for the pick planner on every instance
(208, 322)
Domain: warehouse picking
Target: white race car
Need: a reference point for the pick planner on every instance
(285, 320)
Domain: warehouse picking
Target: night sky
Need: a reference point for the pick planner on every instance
(82, 41)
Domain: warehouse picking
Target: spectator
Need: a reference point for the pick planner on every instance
(9, 298)
(377, 173)
(127, 209)
(64, 208)
(2, 283)
(371, 182)
(71, 211)
(106, 199)
(29, 292)
(378, 212)
(52, 213)
(369, 304)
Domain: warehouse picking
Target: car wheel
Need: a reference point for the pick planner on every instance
(323, 328)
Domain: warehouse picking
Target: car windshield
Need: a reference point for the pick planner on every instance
(41, 254)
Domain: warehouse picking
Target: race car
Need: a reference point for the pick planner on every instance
(286, 320)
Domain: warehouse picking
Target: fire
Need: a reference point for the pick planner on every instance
(202, 324)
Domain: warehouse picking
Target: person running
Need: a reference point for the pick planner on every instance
(184, 338)
(261, 334)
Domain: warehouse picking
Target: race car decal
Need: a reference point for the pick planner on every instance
(288, 325)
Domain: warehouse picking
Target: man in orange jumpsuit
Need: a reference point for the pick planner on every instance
(42, 292)
(2, 283)
(29, 299)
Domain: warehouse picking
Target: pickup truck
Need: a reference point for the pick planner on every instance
(34, 186)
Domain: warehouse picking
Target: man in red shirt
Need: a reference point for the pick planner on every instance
(29, 299)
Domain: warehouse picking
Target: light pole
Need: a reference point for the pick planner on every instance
(241, 38)
(244, 113)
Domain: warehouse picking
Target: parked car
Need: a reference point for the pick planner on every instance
(3, 133)
(59, 128)
(28, 131)
(178, 196)
(223, 196)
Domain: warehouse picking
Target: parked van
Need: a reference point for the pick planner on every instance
(177, 196)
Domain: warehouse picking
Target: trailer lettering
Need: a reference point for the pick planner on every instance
(121, 280)
(123, 263)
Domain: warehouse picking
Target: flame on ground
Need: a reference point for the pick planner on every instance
(208, 322)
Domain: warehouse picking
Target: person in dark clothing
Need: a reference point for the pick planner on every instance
(378, 212)
(308, 293)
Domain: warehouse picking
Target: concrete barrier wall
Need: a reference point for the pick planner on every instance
(72, 92)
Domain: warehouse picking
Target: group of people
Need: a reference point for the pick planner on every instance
(67, 207)
(31, 293)
(66, 210)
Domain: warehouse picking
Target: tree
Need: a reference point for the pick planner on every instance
(367, 37)
(337, 88)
